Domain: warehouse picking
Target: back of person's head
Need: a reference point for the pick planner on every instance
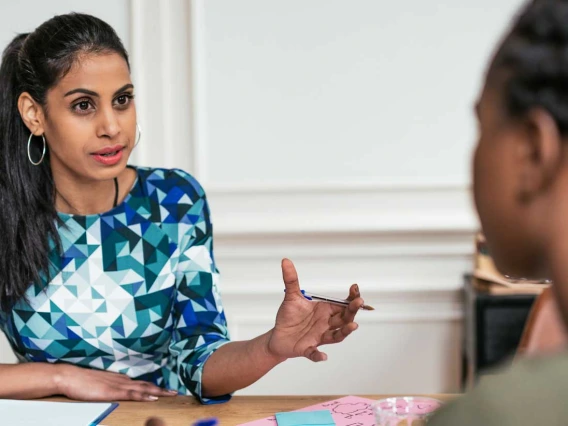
(533, 61)
(34, 63)
(521, 161)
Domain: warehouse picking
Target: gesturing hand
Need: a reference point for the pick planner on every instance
(95, 385)
(302, 326)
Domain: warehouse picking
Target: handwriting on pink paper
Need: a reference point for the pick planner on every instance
(346, 411)
(414, 405)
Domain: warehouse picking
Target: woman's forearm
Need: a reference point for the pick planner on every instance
(237, 365)
(29, 380)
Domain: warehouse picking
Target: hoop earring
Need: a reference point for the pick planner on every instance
(139, 135)
(42, 153)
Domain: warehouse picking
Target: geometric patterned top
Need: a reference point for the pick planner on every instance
(135, 290)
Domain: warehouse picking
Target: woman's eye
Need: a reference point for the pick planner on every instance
(123, 100)
(82, 106)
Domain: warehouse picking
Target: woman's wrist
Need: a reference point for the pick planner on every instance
(58, 377)
(277, 359)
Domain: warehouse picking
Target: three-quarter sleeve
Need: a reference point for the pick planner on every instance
(200, 326)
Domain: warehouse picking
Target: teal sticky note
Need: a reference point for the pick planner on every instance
(305, 418)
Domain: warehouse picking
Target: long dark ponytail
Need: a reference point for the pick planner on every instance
(34, 63)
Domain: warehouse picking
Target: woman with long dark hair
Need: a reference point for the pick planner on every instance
(107, 271)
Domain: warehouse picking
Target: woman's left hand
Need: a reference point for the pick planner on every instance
(302, 326)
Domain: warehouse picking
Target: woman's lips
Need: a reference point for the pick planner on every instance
(109, 156)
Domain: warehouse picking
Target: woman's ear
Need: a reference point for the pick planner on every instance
(539, 154)
(31, 113)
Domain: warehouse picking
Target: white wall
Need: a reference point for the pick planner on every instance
(327, 90)
(25, 15)
(336, 133)
(331, 90)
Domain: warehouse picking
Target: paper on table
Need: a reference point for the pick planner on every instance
(305, 418)
(47, 413)
(345, 411)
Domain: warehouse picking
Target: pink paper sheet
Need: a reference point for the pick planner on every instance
(346, 411)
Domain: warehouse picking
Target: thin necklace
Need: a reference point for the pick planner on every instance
(115, 193)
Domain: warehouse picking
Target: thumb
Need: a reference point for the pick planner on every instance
(290, 277)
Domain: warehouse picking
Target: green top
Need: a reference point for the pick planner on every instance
(532, 392)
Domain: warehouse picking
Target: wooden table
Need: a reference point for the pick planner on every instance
(183, 411)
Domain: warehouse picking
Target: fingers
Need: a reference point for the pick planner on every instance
(357, 302)
(352, 309)
(339, 334)
(353, 292)
(124, 382)
(147, 389)
(97, 385)
(290, 277)
(313, 354)
(336, 321)
(346, 315)
(123, 394)
(138, 390)
(135, 395)
(150, 389)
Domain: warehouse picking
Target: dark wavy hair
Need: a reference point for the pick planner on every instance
(533, 58)
(34, 63)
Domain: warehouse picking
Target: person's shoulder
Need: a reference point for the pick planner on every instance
(533, 391)
(175, 182)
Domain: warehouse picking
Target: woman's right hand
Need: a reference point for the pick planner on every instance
(86, 384)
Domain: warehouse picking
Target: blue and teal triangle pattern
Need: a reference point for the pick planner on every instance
(134, 290)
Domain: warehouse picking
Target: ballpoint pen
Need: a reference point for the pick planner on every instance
(332, 300)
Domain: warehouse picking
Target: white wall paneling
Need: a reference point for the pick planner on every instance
(290, 124)
(355, 90)
(411, 343)
(160, 55)
(336, 207)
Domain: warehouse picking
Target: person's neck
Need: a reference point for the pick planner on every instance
(74, 195)
(556, 247)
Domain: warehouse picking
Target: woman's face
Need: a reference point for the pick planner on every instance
(513, 226)
(90, 120)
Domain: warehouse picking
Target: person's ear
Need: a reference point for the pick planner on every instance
(539, 154)
(31, 113)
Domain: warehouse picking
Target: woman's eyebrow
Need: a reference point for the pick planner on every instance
(81, 90)
(123, 88)
(91, 93)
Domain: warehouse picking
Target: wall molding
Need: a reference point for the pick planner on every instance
(385, 184)
(325, 208)
(161, 48)
(406, 241)
(169, 69)
(369, 318)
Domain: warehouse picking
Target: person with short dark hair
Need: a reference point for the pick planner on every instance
(520, 187)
